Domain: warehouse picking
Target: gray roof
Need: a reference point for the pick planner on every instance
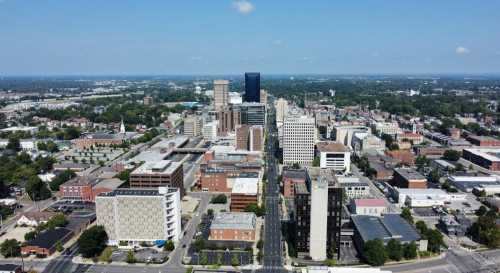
(410, 174)
(136, 192)
(233, 220)
(390, 226)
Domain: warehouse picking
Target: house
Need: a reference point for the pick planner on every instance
(33, 219)
(46, 242)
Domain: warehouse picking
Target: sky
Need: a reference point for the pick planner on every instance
(169, 37)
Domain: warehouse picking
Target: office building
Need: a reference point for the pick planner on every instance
(138, 216)
(147, 100)
(344, 133)
(228, 118)
(250, 138)
(210, 130)
(281, 106)
(408, 178)
(334, 155)
(193, 126)
(298, 141)
(252, 87)
(252, 113)
(244, 192)
(221, 94)
(233, 226)
(263, 96)
(318, 208)
(160, 173)
(353, 186)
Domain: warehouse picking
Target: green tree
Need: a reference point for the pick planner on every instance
(14, 144)
(37, 189)
(130, 257)
(169, 246)
(92, 241)
(30, 235)
(234, 260)
(58, 220)
(59, 247)
(316, 161)
(394, 250)
(406, 214)
(421, 227)
(61, 178)
(199, 244)
(219, 199)
(203, 258)
(374, 252)
(189, 269)
(124, 175)
(434, 176)
(410, 251)
(10, 248)
(435, 240)
(451, 155)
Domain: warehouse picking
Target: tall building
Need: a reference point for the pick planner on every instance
(263, 96)
(193, 126)
(318, 208)
(298, 141)
(210, 130)
(250, 138)
(147, 100)
(228, 118)
(281, 109)
(138, 216)
(221, 94)
(252, 113)
(252, 87)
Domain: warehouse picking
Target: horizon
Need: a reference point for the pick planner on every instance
(96, 38)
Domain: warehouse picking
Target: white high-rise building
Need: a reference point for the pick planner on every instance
(319, 216)
(193, 126)
(298, 140)
(281, 110)
(141, 215)
(221, 94)
(210, 130)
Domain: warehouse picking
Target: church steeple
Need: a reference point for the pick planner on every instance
(122, 127)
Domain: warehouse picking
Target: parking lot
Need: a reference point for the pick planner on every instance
(144, 255)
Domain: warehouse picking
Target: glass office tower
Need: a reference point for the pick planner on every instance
(252, 87)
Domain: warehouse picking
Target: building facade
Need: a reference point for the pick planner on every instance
(221, 91)
(334, 155)
(163, 173)
(298, 141)
(252, 87)
(139, 216)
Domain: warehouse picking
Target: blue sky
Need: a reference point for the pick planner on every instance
(95, 37)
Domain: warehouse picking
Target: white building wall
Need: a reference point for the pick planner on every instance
(336, 163)
(298, 141)
(318, 226)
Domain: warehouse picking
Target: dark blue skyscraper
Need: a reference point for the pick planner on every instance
(252, 87)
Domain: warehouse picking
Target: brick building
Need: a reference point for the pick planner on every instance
(155, 174)
(289, 178)
(408, 178)
(243, 193)
(233, 226)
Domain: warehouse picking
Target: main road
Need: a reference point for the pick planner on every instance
(272, 258)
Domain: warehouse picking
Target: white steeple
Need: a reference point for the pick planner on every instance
(122, 127)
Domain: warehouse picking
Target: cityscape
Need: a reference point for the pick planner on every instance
(262, 165)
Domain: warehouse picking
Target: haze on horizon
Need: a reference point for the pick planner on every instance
(127, 37)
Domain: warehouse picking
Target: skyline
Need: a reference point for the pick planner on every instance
(230, 37)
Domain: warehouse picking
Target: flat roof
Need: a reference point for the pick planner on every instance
(158, 167)
(245, 185)
(489, 154)
(410, 174)
(370, 202)
(331, 147)
(389, 226)
(429, 191)
(49, 238)
(233, 220)
(139, 192)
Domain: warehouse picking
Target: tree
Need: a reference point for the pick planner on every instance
(434, 239)
(316, 162)
(234, 260)
(169, 246)
(30, 235)
(219, 199)
(59, 247)
(459, 167)
(58, 220)
(44, 164)
(10, 248)
(434, 176)
(130, 257)
(61, 178)
(410, 251)
(199, 244)
(421, 227)
(374, 252)
(189, 269)
(481, 211)
(203, 258)
(92, 241)
(14, 144)
(37, 189)
(394, 250)
(259, 211)
(124, 175)
(421, 162)
(451, 155)
(485, 231)
(406, 214)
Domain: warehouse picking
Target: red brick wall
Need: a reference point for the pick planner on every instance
(232, 235)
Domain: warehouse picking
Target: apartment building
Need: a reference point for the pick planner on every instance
(138, 216)
(298, 141)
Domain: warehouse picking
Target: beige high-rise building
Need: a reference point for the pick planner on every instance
(221, 97)
(193, 126)
(263, 96)
(281, 110)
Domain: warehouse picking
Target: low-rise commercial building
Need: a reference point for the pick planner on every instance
(136, 216)
(353, 186)
(233, 226)
(46, 242)
(483, 140)
(385, 228)
(10, 268)
(408, 178)
(371, 207)
(245, 191)
(467, 183)
(289, 178)
(363, 142)
(424, 197)
(486, 158)
(334, 155)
